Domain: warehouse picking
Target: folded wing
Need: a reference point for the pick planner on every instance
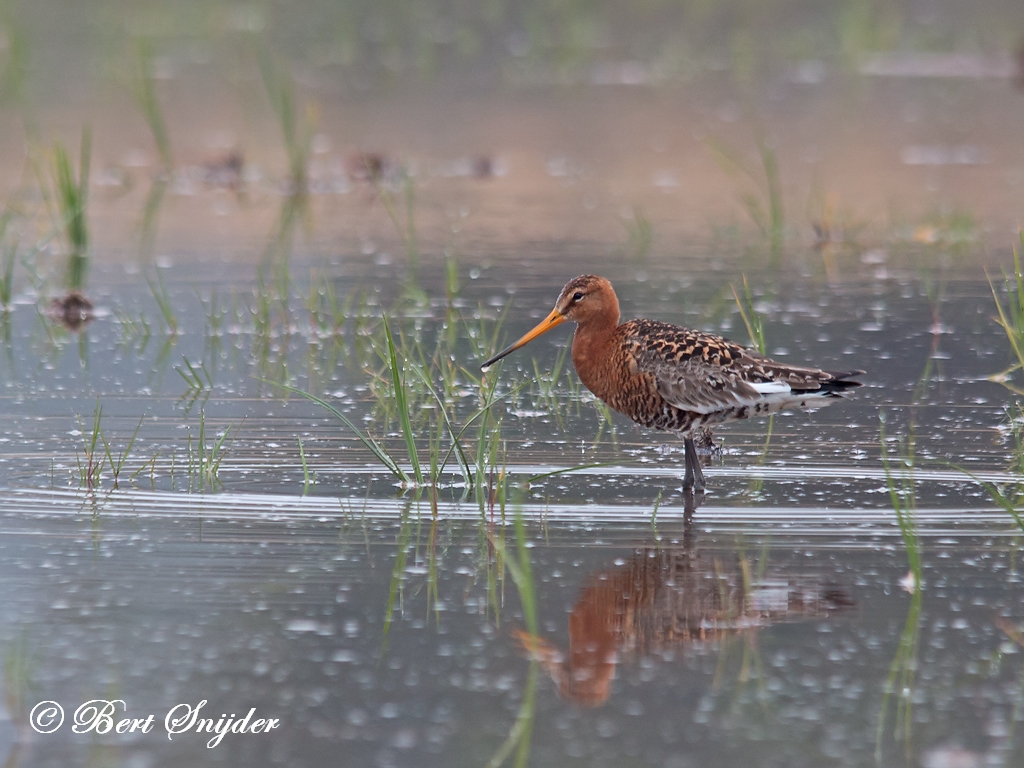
(703, 373)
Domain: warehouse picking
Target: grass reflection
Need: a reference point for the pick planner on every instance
(397, 582)
(753, 321)
(1016, 634)
(519, 567)
(19, 673)
(903, 669)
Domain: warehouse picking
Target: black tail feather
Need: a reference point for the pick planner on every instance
(841, 381)
(835, 386)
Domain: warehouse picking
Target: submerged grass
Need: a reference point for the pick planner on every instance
(1016, 634)
(150, 216)
(135, 331)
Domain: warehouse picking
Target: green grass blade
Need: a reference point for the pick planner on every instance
(401, 402)
(378, 451)
(567, 470)
(460, 453)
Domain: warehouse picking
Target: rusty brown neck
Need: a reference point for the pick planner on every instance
(592, 349)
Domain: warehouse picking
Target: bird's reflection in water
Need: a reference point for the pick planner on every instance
(668, 599)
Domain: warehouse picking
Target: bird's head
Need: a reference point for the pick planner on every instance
(584, 299)
(587, 298)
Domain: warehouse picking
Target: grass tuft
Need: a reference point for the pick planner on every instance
(92, 461)
(1010, 496)
(163, 301)
(204, 459)
(90, 464)
(117, 464)
(70, 197)
(398, 384)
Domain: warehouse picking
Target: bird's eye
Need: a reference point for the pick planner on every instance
(577, 296)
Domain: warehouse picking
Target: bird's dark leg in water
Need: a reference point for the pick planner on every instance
(691, 503)
(693, 480)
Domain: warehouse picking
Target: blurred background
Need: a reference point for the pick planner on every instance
(850, 121)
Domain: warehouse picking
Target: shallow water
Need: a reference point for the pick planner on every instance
(756, 635)
(549, 600)
(764, 630)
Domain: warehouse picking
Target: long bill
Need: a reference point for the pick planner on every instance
(545, 325)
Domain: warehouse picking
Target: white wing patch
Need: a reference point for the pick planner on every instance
(771, 387)
(766, 396)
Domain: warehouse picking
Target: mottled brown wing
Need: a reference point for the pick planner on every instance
(704, 373)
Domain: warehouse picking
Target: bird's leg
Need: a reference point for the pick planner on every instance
(691, 503)
(694, 477)
(688, 476)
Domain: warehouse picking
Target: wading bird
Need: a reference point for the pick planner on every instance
(673, 378)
